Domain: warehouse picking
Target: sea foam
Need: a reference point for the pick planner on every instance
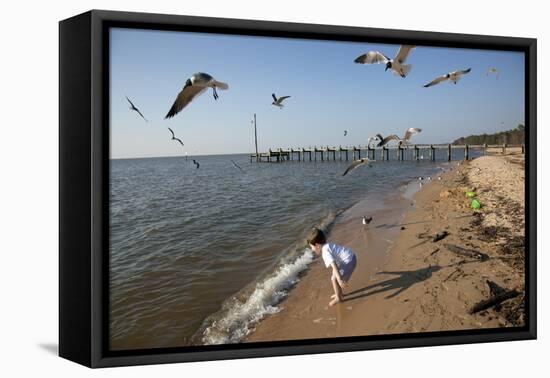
(238, 317)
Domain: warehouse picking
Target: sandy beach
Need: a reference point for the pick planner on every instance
(407, 282)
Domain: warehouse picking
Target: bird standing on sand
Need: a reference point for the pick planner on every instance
(194, 86)
(174, 137)
(366, 220)
(135, 109)
(196, 164)
(278, 101)
(453, 77)
(358, 163)
(396, 65)
(386, 140)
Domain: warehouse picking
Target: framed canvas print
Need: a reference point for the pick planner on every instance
(234, 188)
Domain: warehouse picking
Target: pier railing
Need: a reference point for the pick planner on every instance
(419, 152)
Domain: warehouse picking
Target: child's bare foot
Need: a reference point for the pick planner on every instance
(334, 301)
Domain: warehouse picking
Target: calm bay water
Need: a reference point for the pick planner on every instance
(199, 255)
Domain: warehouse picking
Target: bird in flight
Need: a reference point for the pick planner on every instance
(372, 139)
(237, 166)
(196, 163)
(278, 101)
(194, 86)
(396, 65)
(453, 77)
(386, 140)
(174, 137)
(345, 132)
(408, 134)
(492, 70)
(132, 106)
(356, 164)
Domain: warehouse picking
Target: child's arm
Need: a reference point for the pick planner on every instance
(343, 284)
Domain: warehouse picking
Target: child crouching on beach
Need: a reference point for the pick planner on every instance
(342, 260)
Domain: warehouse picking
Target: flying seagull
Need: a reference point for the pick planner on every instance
(386, 140)
(452, 76)
(408, 134)
(136, 109)
(372, 139)
(357, 163)
(174, 137)
(278, 101)
(396, 64)
(345, 132)
(194, 86)
(196, 164)
(492, 70)
(237, 166)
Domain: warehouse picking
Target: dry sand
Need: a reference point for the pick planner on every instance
(404, 281)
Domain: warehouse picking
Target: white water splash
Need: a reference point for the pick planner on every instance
(240, 318)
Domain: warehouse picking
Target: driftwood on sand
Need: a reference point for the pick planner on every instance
(467, 252)
(498, 295)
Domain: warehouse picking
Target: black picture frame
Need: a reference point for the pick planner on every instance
(84, 191)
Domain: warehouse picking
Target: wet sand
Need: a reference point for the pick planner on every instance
(404, 281)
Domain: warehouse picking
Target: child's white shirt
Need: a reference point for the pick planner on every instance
(335, 253)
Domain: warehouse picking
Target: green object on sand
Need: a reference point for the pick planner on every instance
(475, 204)
(470, 194)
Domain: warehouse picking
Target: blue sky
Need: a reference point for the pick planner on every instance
(330, 93)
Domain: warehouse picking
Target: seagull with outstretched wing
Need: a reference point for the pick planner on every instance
(356, 164)
(237, 166)
(132, 106)
(408, 134)
(278, 101)
(396, 65)
(386, 140)
(174, 137)
(453, 77)
(194, 86)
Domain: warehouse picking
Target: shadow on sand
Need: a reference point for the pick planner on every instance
(403, 281)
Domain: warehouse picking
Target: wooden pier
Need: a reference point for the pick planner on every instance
(419, 152)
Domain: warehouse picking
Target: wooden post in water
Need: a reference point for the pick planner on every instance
(466, 152)
(504, 149)
(416, 152)
(387, 153)
(485, 149)
(449, 152)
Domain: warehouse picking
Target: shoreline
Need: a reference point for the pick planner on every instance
(414, 284)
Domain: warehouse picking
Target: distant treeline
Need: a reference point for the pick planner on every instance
(515, 136)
